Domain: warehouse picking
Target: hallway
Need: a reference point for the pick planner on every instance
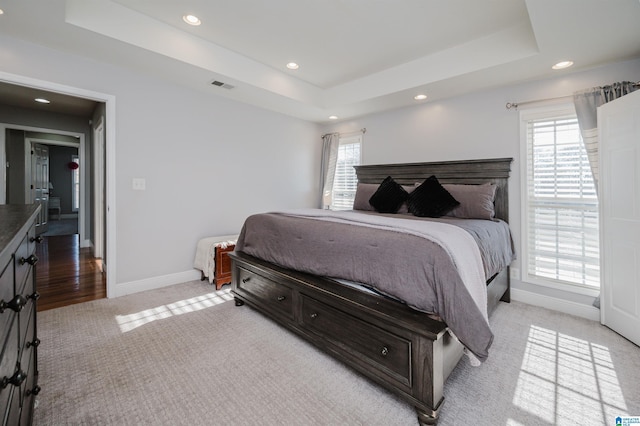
(67, 274)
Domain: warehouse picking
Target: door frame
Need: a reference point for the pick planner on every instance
(110, 157)
(98, 189)
(84, 242)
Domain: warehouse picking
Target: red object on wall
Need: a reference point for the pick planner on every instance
(73, 165)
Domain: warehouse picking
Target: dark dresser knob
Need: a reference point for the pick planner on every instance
(314, 315)
(36, 390)
(37, 239)
(281, 298)
(34, 296)
(16, 380)
(31, 260)
(246, 280)
(16, 304)
(35, 343)
(384, 351)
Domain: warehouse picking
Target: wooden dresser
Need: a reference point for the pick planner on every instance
(18, 296)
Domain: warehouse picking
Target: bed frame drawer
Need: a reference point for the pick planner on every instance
(277, 298)
(380, 349)
(397, 347)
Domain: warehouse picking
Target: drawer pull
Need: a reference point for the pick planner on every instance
(281, 298)
(36, 390)
(31, 260)
(34, 296)
(314, 315)
(246, 280)
(35, 343)
(16, 380)
(37, 239)
(384, 351)
(16, 304)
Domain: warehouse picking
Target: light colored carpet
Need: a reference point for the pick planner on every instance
(187, 355)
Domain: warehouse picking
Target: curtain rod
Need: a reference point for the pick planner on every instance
(515, 105)
(363, 130)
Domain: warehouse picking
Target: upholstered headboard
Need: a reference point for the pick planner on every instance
(494, 170)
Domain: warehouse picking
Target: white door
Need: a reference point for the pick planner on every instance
(619, 192)
(40, 184)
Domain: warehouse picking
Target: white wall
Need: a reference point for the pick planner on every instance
(208, 162)
(477, 126)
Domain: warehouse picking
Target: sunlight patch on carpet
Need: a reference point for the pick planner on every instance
(564, 378)
(138, 319)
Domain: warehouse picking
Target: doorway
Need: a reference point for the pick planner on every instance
(54, 182)
(37, 184)
(107, 115)
(45, 170)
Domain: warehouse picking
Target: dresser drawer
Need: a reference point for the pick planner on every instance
(22, 263)
(12, 415)
(380, 349)
(27, 333)
(9, 360)
(6, 294)
(28, 391)
(28, 288)
(277, 298)
(31, 239)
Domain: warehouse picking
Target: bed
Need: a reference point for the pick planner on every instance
(409, 350)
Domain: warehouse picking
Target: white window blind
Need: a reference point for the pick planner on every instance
(562, 238)
(346, 181)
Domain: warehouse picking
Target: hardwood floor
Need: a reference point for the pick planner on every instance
(67, 274)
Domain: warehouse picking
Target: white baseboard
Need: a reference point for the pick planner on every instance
(86, 243)
(122, 289)
(565, 306)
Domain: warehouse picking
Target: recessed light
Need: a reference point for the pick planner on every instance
(561, 65)
(42, 100)
(191, 20)
(420, 97)
(1, 12)
(333, 117)
(293, 66)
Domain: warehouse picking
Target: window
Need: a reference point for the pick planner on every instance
(75, 185)
(560, 210)
(345, 180)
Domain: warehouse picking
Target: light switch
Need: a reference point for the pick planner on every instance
(139, 184)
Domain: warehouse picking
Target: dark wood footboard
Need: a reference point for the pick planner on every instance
(401, 349)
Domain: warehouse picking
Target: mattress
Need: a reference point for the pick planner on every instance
(405, 257)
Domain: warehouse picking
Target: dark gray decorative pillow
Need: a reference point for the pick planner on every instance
(476, 201)
(430, 199)
(364, 191)
(388, 197)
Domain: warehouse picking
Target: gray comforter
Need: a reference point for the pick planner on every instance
(414, 269)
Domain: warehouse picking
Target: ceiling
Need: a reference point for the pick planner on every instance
(24, 97)
(356, 56)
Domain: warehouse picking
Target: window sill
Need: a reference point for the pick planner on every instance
(562, 286)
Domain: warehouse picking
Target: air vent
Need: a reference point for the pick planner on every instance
(222, 84)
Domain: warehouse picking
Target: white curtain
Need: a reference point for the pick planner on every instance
(587, 103)
(330, 143)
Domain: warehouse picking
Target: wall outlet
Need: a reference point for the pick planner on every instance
(515, 273)
(139, 184)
